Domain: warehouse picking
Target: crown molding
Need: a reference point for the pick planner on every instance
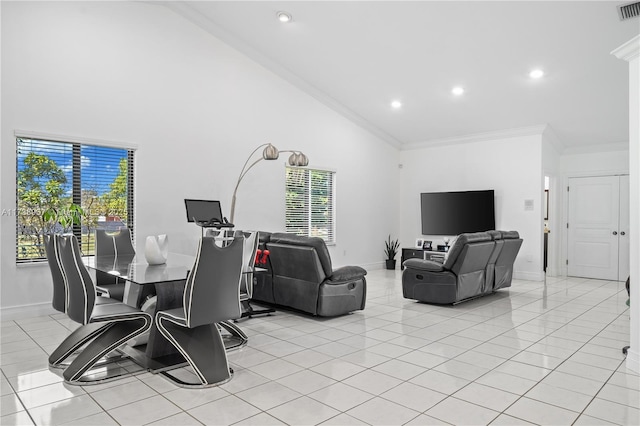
(629, 50)
(195, 17)
(477, 137)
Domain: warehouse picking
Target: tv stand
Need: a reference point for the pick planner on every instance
(416, 253)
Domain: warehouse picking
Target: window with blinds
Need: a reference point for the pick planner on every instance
(310, 202)
(54, 175)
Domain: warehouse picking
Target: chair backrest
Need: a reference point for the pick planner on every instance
(315, 243)
(296, 263)
(81, 289)
(506, 259)
(112, 243)
(491, 266)
(59, 300)
(468, 261)
(251, 240)
(460, 247)
(212, 291)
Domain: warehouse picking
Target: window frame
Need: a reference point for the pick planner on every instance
(76, 145)
(309, 223)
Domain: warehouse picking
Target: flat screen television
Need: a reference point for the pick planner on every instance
(203, 210)
(453, 213)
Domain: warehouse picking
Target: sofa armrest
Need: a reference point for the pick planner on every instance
(423, 265)
(347, 273)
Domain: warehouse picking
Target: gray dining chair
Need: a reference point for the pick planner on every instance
(112, 244)
(122, 322)
(211, 296)
(59, 300)
(80, 335)
(235, 338)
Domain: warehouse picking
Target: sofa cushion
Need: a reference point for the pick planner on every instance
(347, 273)
(511, 235)
(423, 265)
(317, 243)
(495, 235)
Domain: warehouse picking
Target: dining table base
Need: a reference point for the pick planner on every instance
(233, 339)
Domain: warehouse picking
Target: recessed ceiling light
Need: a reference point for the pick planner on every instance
(284, 16)
(537, 73)
(457, 91)
(396, 104)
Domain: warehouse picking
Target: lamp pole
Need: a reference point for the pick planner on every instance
(244, 171)
(270, 152)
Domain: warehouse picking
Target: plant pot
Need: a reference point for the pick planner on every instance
(391, 263)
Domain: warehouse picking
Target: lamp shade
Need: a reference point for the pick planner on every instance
(298, 159)
(270, 153)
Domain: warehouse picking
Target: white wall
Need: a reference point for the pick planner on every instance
(512, 167)
(136, 73)
(594, 163)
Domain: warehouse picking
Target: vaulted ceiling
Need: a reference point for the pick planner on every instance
(357, 57)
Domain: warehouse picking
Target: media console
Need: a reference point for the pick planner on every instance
(416, 253)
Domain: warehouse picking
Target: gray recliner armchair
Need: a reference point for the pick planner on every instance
(477, 264)
(302, 277)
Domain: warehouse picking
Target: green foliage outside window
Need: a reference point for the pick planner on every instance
(57, 181)
(309, 199)
(41, 187)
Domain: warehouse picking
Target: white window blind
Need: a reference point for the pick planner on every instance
(55, 175)
(310, 202)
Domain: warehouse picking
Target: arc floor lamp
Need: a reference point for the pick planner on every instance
(269, 153)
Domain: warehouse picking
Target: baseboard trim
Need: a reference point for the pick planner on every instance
(552, 272)
(633, 360)
(528, 276)
(373, 266)
(11, 313)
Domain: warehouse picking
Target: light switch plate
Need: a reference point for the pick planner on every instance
(528, 205)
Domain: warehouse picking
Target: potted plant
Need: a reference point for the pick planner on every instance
(391, 249)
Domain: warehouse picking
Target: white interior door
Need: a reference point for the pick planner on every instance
(593, 227)
(623, 230)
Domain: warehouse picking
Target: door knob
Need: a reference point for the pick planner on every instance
(622, 233)
(615, 232)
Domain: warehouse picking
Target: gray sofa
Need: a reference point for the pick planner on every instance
(300, 276)
(477, 264)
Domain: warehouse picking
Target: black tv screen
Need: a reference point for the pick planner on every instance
(203, 210)
(453, 213)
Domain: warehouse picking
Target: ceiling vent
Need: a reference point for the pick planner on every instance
(629, 10)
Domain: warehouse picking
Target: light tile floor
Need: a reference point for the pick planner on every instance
(533, 354)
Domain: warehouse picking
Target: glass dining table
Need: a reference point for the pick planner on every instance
(166, 282)
(138, 274)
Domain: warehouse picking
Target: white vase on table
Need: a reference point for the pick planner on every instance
(156, 249)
